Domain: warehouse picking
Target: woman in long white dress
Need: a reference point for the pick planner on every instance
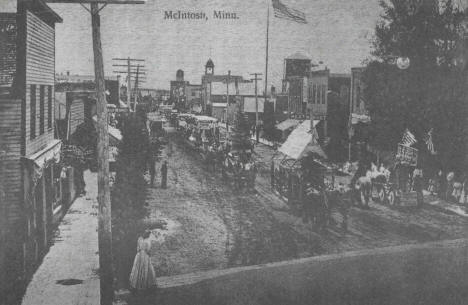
(143, 276)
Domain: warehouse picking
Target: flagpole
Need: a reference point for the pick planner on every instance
(266, 49)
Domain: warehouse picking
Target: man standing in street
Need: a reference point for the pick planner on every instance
(164, 175)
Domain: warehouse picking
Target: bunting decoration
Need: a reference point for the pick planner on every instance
(408, 138)
(429, 142)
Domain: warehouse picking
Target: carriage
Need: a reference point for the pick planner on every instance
(239, 168)
(388, 187)
(156, 125)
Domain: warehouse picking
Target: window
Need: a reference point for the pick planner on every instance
(324, 94)
(316, 94)
(41, 109)
(319, 89)
(32, 111)
(358, 97)
(49, 107)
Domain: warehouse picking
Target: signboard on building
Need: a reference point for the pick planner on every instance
(8, 33)
(407, 155)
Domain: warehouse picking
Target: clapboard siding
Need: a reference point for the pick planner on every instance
(76, 114)
(10, 135)
(40, 70)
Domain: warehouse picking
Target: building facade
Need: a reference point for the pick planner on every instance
(322, 85)
(32, 178)
(215, 89)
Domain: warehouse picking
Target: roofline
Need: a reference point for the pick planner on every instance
(45, 9)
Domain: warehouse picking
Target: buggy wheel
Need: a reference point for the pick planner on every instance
(382, 195)
(391, 198)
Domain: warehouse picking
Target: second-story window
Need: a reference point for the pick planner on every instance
(41, 109)
(49, 107)
(32, 112)
(358, 97)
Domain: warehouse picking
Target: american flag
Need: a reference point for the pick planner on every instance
(408, 138)
(429, 142)
(285, 12)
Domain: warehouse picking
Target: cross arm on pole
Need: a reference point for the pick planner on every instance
(99, 1)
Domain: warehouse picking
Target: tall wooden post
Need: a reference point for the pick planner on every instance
(256, 79)
(104, 226)
(227, 100)
(129, 86)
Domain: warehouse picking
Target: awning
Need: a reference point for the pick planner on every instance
(302, 141)
(115, 133)
(219, 105)
(122, 104)
(287, 124)
(112, 131)
(359, 118)
(41, 159)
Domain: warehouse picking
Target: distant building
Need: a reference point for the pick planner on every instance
(358, 104)
(358, 130)
(80, 83)
(321, 86)
(295, 84)
(193, 97)
(215, 88)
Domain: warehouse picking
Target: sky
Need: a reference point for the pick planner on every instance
(338, 33)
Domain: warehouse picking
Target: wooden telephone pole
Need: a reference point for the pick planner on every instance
(228, 80)
(106, 275)
(130, 72)
(256, 79)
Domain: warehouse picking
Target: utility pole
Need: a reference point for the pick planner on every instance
(130, 71)
(106, 275)
(256, 104)
(227, 99)
(136, 88)
(104, 221)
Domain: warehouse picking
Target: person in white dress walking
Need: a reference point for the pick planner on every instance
(142, 276)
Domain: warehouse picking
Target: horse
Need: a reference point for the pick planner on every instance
(320, 203)
(362, 190)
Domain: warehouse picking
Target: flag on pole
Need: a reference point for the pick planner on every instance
(429, 142)
(284, 12)
(408, 138)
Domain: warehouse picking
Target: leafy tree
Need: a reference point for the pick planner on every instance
(131, 163)
(429, 94)
(240, 135)
(129, 193)
(269, 122)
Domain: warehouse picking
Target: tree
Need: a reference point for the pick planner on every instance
(129, 193)
(131, 163)
(240, 135)
(429, 94)
(269, 122)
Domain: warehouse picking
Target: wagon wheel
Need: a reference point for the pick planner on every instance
(382, 195)
(391, 197)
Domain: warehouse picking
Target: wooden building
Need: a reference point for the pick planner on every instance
(31, 175)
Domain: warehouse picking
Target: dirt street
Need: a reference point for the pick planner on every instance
(211, 225)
